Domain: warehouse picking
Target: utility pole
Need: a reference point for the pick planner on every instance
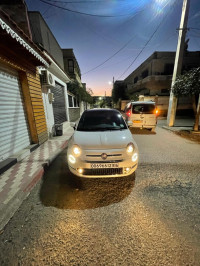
(178, 62)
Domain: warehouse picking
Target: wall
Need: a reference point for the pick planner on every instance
(74, 113)
(13, 9)
(48, 105)
(158, 78)
(69, 54)
(41, 34)
(48, 111)
(154, 85)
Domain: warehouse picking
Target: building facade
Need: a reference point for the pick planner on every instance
(71, 66)
(22, 116)
(154, 76)
(53, 79)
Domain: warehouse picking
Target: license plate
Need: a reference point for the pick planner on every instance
(137, 121)
(104, 165)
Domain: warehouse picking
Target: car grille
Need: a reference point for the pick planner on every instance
(99, 155)
(103, 171)
(113, 161)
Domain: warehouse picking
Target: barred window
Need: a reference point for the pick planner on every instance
(70, 101)
(71, 66)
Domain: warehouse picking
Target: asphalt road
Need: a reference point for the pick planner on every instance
(152, 220)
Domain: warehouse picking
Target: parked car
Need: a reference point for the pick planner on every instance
(102, 146)
(141, 114)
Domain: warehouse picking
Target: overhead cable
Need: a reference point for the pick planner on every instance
(82, 13)
(151, 37)
(113, 54)
(77, 2)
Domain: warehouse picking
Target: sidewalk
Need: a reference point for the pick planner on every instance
(182, 127)
(17, 182)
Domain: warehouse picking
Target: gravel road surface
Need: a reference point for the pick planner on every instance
(153, 219)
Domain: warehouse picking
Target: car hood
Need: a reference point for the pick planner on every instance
(103, 139)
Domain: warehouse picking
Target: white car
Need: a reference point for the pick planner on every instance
(102, 146)
(141, 115)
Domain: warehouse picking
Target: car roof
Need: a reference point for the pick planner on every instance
(141, 102)
(101, 109)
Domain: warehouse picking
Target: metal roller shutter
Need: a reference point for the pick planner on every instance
(59, 108)
(14, 134)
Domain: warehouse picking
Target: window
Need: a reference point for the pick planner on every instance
(71, 66)
(145, 73)
(75, 102)
(169, 68)
(101, 121)
(70, 101)
(164, 91)
(143, 108)
(135, 80)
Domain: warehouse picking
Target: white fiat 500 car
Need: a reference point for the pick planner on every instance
(102, 146)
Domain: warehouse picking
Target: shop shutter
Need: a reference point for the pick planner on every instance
(14, 134)
(59, 108)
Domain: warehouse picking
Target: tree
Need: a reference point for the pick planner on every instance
(189, 84)
(79, 91)
(90, 91)
(119, 92)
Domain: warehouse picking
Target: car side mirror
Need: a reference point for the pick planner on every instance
(73, 124)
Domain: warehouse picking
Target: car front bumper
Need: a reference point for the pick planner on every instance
(124, 169)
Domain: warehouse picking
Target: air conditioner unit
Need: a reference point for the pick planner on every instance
(47, 79)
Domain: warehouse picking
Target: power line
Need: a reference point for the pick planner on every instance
(77, 2)
(151, 37)
(194, 28)
(82, 13)
(119, 62)
(113, 54)
(109, 57)
(195, 39)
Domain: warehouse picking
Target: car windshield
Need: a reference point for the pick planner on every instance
(101, 120)
(143, 108)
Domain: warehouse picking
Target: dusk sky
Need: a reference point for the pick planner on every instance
(113, 37)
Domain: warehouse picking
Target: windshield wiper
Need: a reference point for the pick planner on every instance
(110, 128)
(100, 129)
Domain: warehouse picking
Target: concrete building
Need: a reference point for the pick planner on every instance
(53, 79)
(71, 66)
(153, 78)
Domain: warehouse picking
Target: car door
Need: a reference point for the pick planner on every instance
(137, 116)
(149, 115)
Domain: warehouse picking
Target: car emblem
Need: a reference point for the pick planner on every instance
(104, 156)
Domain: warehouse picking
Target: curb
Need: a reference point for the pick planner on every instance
(165, 127)
(53, 157)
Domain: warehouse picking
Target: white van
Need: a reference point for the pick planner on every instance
(141, 115)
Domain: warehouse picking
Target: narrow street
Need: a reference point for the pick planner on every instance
(152, 220)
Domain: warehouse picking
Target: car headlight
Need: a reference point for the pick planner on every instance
(76, 150)
(135, 157)
(130, 148)
(71, 159)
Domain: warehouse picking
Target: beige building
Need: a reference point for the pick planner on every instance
(153, 78)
